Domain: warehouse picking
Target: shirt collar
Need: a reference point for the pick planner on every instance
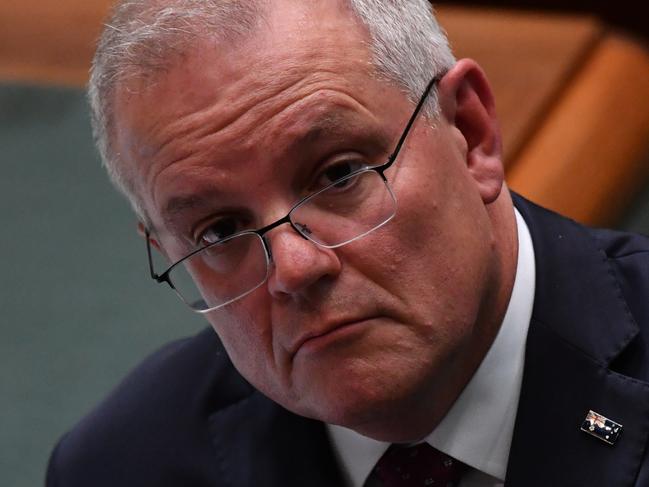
(478, 428)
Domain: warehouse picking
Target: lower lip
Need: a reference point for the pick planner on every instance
(336, 336)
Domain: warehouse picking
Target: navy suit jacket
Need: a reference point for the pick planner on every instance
(186, 418)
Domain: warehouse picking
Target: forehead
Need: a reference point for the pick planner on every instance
(308, 64)
(293, 40)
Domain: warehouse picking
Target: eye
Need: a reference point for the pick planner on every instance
(337, 171)
(220, 229)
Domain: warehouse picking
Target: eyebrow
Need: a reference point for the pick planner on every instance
(338, 124)
(179, 204)
(184, 203)
(330, 123)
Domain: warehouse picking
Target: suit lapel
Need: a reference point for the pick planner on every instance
(258, 443)
(580, 324)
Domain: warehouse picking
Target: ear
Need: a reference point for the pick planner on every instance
(141, 230)
(467, 103)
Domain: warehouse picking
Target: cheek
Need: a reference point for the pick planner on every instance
(431, 256)
(247, 339)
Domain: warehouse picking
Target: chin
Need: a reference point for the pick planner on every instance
(380, 408)
(383, 419)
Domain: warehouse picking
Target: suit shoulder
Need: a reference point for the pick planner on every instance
(548, 225)
(619, 245)
(154, 421)
(628, 255)
(191, 367)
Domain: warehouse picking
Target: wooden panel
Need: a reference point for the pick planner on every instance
(590, 155)
(49, 41)
(528, 57)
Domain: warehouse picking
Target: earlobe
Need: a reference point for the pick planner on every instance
(141, 230)
(467, 103)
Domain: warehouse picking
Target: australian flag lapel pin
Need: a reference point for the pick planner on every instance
(601, 427)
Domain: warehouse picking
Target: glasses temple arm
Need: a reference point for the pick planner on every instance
(413, 117)
(150, 257)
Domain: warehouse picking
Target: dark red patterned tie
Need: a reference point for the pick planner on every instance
(418, 466)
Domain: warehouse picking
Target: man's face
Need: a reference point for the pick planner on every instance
(374, 335)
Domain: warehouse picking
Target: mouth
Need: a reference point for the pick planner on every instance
(317, 341)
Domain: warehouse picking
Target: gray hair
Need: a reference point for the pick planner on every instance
(144, 37)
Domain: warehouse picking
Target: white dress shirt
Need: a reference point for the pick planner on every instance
(478, 428)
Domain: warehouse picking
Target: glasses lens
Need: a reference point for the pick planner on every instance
(222, 272)
(347, 210)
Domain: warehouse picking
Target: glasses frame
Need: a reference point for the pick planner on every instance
(380, 170)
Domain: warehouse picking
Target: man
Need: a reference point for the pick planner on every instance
(325, 182)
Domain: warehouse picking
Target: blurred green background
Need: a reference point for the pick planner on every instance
(78, 309)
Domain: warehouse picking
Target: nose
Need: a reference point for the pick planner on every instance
(298, 263)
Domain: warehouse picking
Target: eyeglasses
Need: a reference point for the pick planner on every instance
(347, 209)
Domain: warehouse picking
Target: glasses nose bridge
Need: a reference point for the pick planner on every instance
(286, 219)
